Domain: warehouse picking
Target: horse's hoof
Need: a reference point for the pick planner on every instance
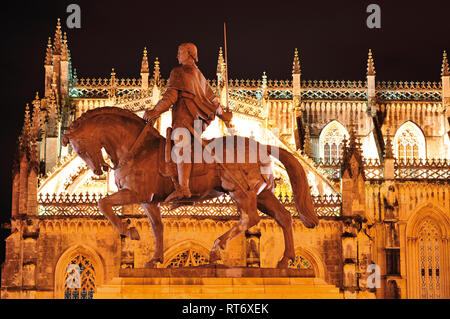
(214, 257)
(133, 234)
(283, 263)
(153, 263)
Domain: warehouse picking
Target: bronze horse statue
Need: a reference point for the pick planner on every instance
(141, 179)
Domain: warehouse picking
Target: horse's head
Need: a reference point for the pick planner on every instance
(88, 149)
(111, 128)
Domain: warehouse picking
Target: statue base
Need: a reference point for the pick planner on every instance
(217, 282)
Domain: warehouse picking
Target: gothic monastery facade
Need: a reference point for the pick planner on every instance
(376, 155)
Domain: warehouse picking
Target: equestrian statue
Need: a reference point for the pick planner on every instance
(150, 169)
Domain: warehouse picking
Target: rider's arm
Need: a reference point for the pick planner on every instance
(168, 99)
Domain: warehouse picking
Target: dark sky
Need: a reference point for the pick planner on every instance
(332, 38)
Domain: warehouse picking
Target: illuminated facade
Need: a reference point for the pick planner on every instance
(376, 155)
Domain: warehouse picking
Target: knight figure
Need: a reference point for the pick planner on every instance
(191, 99)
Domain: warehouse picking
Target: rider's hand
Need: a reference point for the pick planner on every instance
(150, 115)
(226, 116)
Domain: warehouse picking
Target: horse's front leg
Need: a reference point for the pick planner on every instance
(122, 197)
(154, 214)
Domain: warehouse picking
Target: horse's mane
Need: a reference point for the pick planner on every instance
(102, 111)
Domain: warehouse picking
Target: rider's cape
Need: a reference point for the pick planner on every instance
(191, 84)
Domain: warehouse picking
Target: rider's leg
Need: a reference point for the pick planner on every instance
(184, 172)
(184, 166)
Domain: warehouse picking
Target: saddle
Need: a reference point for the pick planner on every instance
(168, 168)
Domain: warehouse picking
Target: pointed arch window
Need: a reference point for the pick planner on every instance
(331, 141)
(79, 281)
(409, 142)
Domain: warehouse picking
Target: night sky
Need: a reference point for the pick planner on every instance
(332, 38)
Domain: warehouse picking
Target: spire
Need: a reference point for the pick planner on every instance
(48, 54)
(156, 72)
(144, 66)
(220, 63)
(26, 128)
(296, 64)
(370, 64)
(445, 69)
(57, 42)
(37, 120)
(64, 50)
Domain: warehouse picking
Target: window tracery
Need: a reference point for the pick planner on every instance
(429, 256)
(331, 141)
(79, 280)
(409, 142)
(188, 258)
(300, 262)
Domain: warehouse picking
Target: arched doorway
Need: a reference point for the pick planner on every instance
(427, 253)
(429, 260)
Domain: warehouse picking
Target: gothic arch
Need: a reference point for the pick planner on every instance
(315, 260)
(409, 141)
(425, 211)
(330, 140)
(427, 253)
(64, 260)
(183, 246)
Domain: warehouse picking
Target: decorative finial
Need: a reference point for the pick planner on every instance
(48, 53)
(57, 43)
(445, 69)
(156, 72)
(296, 64)
(144, 65)
(370, 64)
(27, 120)
(64, 51)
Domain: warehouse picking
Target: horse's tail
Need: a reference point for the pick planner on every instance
(300, 188)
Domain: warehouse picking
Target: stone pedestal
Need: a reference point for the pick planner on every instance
(217, 283)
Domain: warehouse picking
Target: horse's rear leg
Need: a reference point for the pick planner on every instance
(248, 218)
(154, 214)
(270, 205)
(122, 197)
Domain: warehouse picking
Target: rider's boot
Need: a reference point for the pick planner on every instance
(182, 191)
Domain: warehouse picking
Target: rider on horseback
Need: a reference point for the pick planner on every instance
(192, 99)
